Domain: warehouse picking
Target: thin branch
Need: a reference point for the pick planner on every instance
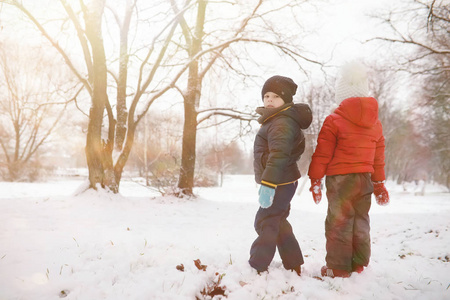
(174, 22)
(152, 73)
(411, 42)
(228, 112)
(81, 37)
(52, 42)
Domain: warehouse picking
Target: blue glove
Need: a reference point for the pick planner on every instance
(266, 196)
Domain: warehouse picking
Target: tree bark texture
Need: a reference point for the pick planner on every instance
(122, 114)
(191, 102)
(98, 152)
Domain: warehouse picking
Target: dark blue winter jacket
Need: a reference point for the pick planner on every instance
(280, 143)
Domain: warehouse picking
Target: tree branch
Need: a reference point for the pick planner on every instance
(228, 112)
(81, 37)
(52, 42)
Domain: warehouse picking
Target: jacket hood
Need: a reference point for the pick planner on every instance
(362, 111)
(300, 112)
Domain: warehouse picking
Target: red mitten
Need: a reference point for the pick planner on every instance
(315, 189)
(381, 194)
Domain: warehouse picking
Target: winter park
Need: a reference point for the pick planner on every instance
(199, 149)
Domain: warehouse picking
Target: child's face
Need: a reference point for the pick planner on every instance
(272, 100)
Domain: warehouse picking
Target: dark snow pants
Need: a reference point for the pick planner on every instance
(274, 231)
(347, 226)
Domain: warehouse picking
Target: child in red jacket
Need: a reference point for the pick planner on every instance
(350, 153)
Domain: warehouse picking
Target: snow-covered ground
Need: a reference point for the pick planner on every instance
(102, 246)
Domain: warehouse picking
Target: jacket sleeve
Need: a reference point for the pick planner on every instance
(378, 164)
(326, 144)
(281, 137)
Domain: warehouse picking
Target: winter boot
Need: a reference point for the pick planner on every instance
(358, 269)
(260, 273)
(298, 270)
(325, 271)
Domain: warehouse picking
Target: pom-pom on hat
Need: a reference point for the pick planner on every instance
(284, 87)
(351, 82)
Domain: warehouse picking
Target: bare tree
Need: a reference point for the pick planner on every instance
(86, 23)
(426, 34)
(148, 63)
(433, 120)
(428, 63)
(207, 49)
(157, 148)
(319, 95)
(221, 157)
(32, 103)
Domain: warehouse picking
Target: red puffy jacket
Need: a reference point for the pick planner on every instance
(351, 141)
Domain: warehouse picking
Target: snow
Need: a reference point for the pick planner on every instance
(98, 245)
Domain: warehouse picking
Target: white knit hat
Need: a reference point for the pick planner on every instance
(351, 82)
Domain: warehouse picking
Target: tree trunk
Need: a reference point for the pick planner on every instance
(123, 158)
(122, 113)
(187, 170)
(191, 102)
(98, 153)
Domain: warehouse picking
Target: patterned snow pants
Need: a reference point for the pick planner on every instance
(274, 231)
(347, 226)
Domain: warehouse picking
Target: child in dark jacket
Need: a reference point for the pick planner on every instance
(350, 152)
(278, 146)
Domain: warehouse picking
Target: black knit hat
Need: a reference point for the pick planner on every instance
(284, 87)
